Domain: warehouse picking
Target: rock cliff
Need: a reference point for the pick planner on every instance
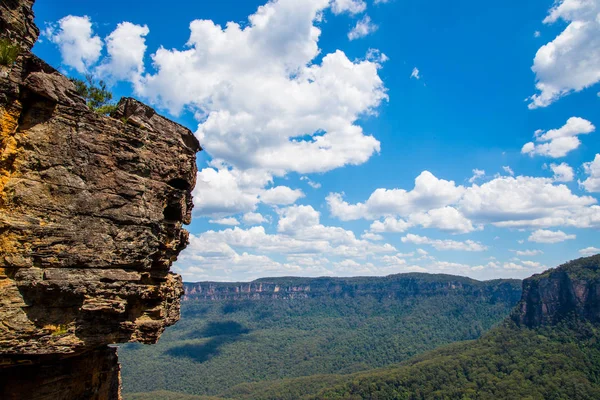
(570, 290)
(394, 286)
(91, 215)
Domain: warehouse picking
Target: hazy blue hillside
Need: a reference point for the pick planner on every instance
(233, 333)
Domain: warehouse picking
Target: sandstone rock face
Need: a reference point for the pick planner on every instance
(16, 22)
(91, 214)
(571, 290)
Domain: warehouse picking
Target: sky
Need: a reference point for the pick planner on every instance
(363, 137)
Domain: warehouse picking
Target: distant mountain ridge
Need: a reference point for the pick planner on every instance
(392, 286)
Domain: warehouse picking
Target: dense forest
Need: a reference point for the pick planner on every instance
(339, 326)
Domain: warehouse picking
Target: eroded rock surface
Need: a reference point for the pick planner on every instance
(570, 290)
(91, 214)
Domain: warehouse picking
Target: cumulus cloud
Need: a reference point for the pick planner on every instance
(253, 218)
(546, 236)
(562, 172)
(527, 202)
(79, 47)
(223, 191)
(349, 6)
(592, 169)
(571, 62)
(589, 251)
(557, 143)
(281, 195)
(362, 28)
(262, 100)
(390, 224)
(126, 47)
(468, 245)
(225, 221)
(371, 236)
(428, 193)
(300, 235)
(505, 201)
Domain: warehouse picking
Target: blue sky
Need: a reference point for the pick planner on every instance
(351, 137)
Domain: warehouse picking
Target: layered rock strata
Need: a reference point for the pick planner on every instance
(570, 291)
(91, 215)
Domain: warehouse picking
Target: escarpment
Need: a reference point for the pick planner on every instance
(397, 286)
(571, 290)
(91, 215)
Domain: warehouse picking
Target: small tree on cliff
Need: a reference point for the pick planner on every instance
(96, 95)
(8, 52)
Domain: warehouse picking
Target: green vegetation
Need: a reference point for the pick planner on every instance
(96, 95)
(219, 344)
(8, 52)
(164, 395)
(561, 362)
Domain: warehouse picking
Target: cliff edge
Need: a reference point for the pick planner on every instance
(570, 290)
(91, 215)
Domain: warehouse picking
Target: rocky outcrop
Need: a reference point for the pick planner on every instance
(570, 291)
(394, 286)
(16, 22)
(91, 215)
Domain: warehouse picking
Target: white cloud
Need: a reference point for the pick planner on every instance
(262, 99)
(415, 73)
(126, 47)
(592, 168)
(371, 236)
(281, 195)
(447, 219)
(571, 62)
(506, 201)
(468, 245)
(531, 264)
(311, 183)
(558, 142)
(362, 28)
(528, 253)
(222, 191)
(225, 221)
(537, 34)
(477, 174)
(300, 235)
(79, 47)
(349, 6)
(589, 251)
(546, 236)
(253, 218)
(390, 224)
(428, 193)
(508, 170)
(527, 202)
(562, 172)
